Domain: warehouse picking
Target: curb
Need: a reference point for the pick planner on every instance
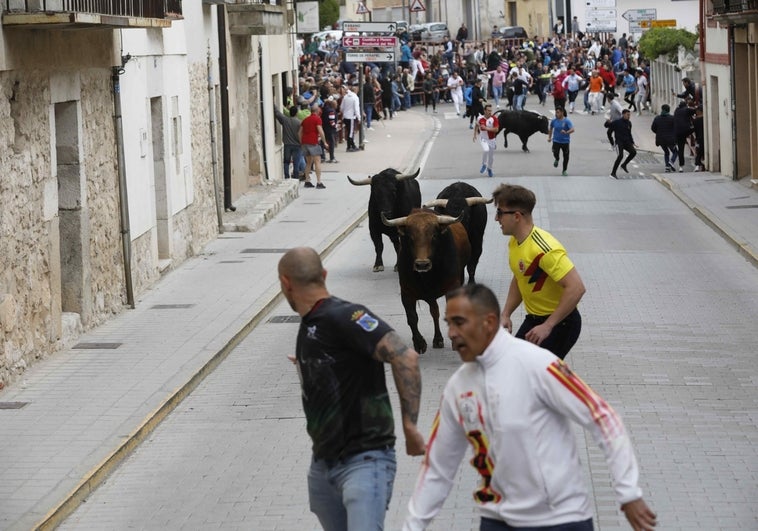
(743, 247)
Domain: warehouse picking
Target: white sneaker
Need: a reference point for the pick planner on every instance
(371, 129)
(681, 169)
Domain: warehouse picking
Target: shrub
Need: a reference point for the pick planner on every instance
(328, 13)
(666, 41)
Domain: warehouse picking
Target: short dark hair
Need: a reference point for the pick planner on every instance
(481, 297)
(514, 196)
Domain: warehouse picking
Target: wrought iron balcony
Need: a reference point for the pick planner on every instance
(735, 11)
(91, 13)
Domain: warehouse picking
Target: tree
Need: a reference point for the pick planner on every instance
(666, 41)
(328, 13)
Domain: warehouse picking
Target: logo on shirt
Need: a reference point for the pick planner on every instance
(310, 332)
(365, 320)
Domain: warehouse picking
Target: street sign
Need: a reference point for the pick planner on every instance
(361, 9)
(417, 6)
(373, 42)
(370, 27)
(601, 13)
(635, 15)
(602, 25)
(667, 23)
(601, 3)
(370, 57)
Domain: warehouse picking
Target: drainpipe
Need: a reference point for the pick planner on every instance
(225, 134)
(126, 241)
(733, 82)
(263, 114)
(214, 155)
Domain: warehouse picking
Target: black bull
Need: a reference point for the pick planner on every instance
(462, 199)
(431, 259)
(523, 123)
(393, 194)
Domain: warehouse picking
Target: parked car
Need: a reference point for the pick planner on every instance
(513, 32)
(429, 31)
(434, 32)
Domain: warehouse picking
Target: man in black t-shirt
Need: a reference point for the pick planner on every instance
(340, 354)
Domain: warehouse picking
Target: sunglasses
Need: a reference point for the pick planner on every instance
(504, 212)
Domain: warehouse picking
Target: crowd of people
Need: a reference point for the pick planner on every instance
(506, 72)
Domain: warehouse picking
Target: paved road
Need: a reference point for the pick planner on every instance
(668, 340)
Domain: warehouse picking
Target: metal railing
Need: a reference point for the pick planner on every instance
(125, 8)
(722, 7)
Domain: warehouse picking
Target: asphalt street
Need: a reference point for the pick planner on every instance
(668, 340)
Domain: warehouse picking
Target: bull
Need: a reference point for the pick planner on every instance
(433, 253)
(393, 194)
(523, 123)
(462, 199)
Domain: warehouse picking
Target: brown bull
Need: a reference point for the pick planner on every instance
(432, 256)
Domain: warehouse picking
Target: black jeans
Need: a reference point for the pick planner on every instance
(557, 148)
(621, 148)
(681, 142)
(563, 336)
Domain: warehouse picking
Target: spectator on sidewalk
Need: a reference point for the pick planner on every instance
(699, 138)
(351, 116)
(535, 256)
(622, 134)
(291, 140)
(515, 404)
(683, 128)
(330, 119)
(310, 131)
(340, 354)
(665, 136)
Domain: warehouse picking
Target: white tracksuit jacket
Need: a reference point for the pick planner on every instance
(514, 405)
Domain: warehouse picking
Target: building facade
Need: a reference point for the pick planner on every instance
(119, 151)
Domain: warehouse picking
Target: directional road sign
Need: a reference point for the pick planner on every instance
(667, 23)
(371, 27)
(635, 15)
(601, 18)
(370, 57)
(373, 42)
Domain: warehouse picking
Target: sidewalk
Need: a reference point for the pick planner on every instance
(87, 407)
(84, 409)
(729, 207)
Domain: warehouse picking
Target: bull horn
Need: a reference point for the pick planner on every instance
(404, 176)
(436, 203)
(449, 220)
(471, 201)
(362, 182)
(396, 222)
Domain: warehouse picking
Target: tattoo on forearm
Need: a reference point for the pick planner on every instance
(390, 347)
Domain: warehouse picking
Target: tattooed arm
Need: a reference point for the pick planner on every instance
(404, 362)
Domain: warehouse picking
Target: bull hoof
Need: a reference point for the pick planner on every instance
(378, 268)
(438, 343)
(419, 345)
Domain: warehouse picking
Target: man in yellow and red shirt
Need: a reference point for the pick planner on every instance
(544, 277)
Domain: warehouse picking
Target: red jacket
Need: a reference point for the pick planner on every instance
(609, 78)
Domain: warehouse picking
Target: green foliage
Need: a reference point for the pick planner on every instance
(666, 41)
(328, 13)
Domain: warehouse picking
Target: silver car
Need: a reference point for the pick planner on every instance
(434, 32)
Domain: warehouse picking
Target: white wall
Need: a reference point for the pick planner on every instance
(158, 68)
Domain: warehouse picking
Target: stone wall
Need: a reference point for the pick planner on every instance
(30, 223)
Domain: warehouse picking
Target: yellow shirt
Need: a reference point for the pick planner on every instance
(538, 264)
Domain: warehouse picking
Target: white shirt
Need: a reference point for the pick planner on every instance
(514, 406)
(455, 83)
(351, 106)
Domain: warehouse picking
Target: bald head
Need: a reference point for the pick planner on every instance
(302, 265)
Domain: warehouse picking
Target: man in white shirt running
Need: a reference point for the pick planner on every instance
(514, 403)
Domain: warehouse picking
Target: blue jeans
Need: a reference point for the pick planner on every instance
(497, 93)
(518, 102)
(292, 154)
(352, 493)
(488, 524)
(368, 108)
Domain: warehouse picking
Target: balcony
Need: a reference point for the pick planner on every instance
(251, 17)
(735, 11)
(60, 14)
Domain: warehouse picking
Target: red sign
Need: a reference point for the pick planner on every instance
(378, 42)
